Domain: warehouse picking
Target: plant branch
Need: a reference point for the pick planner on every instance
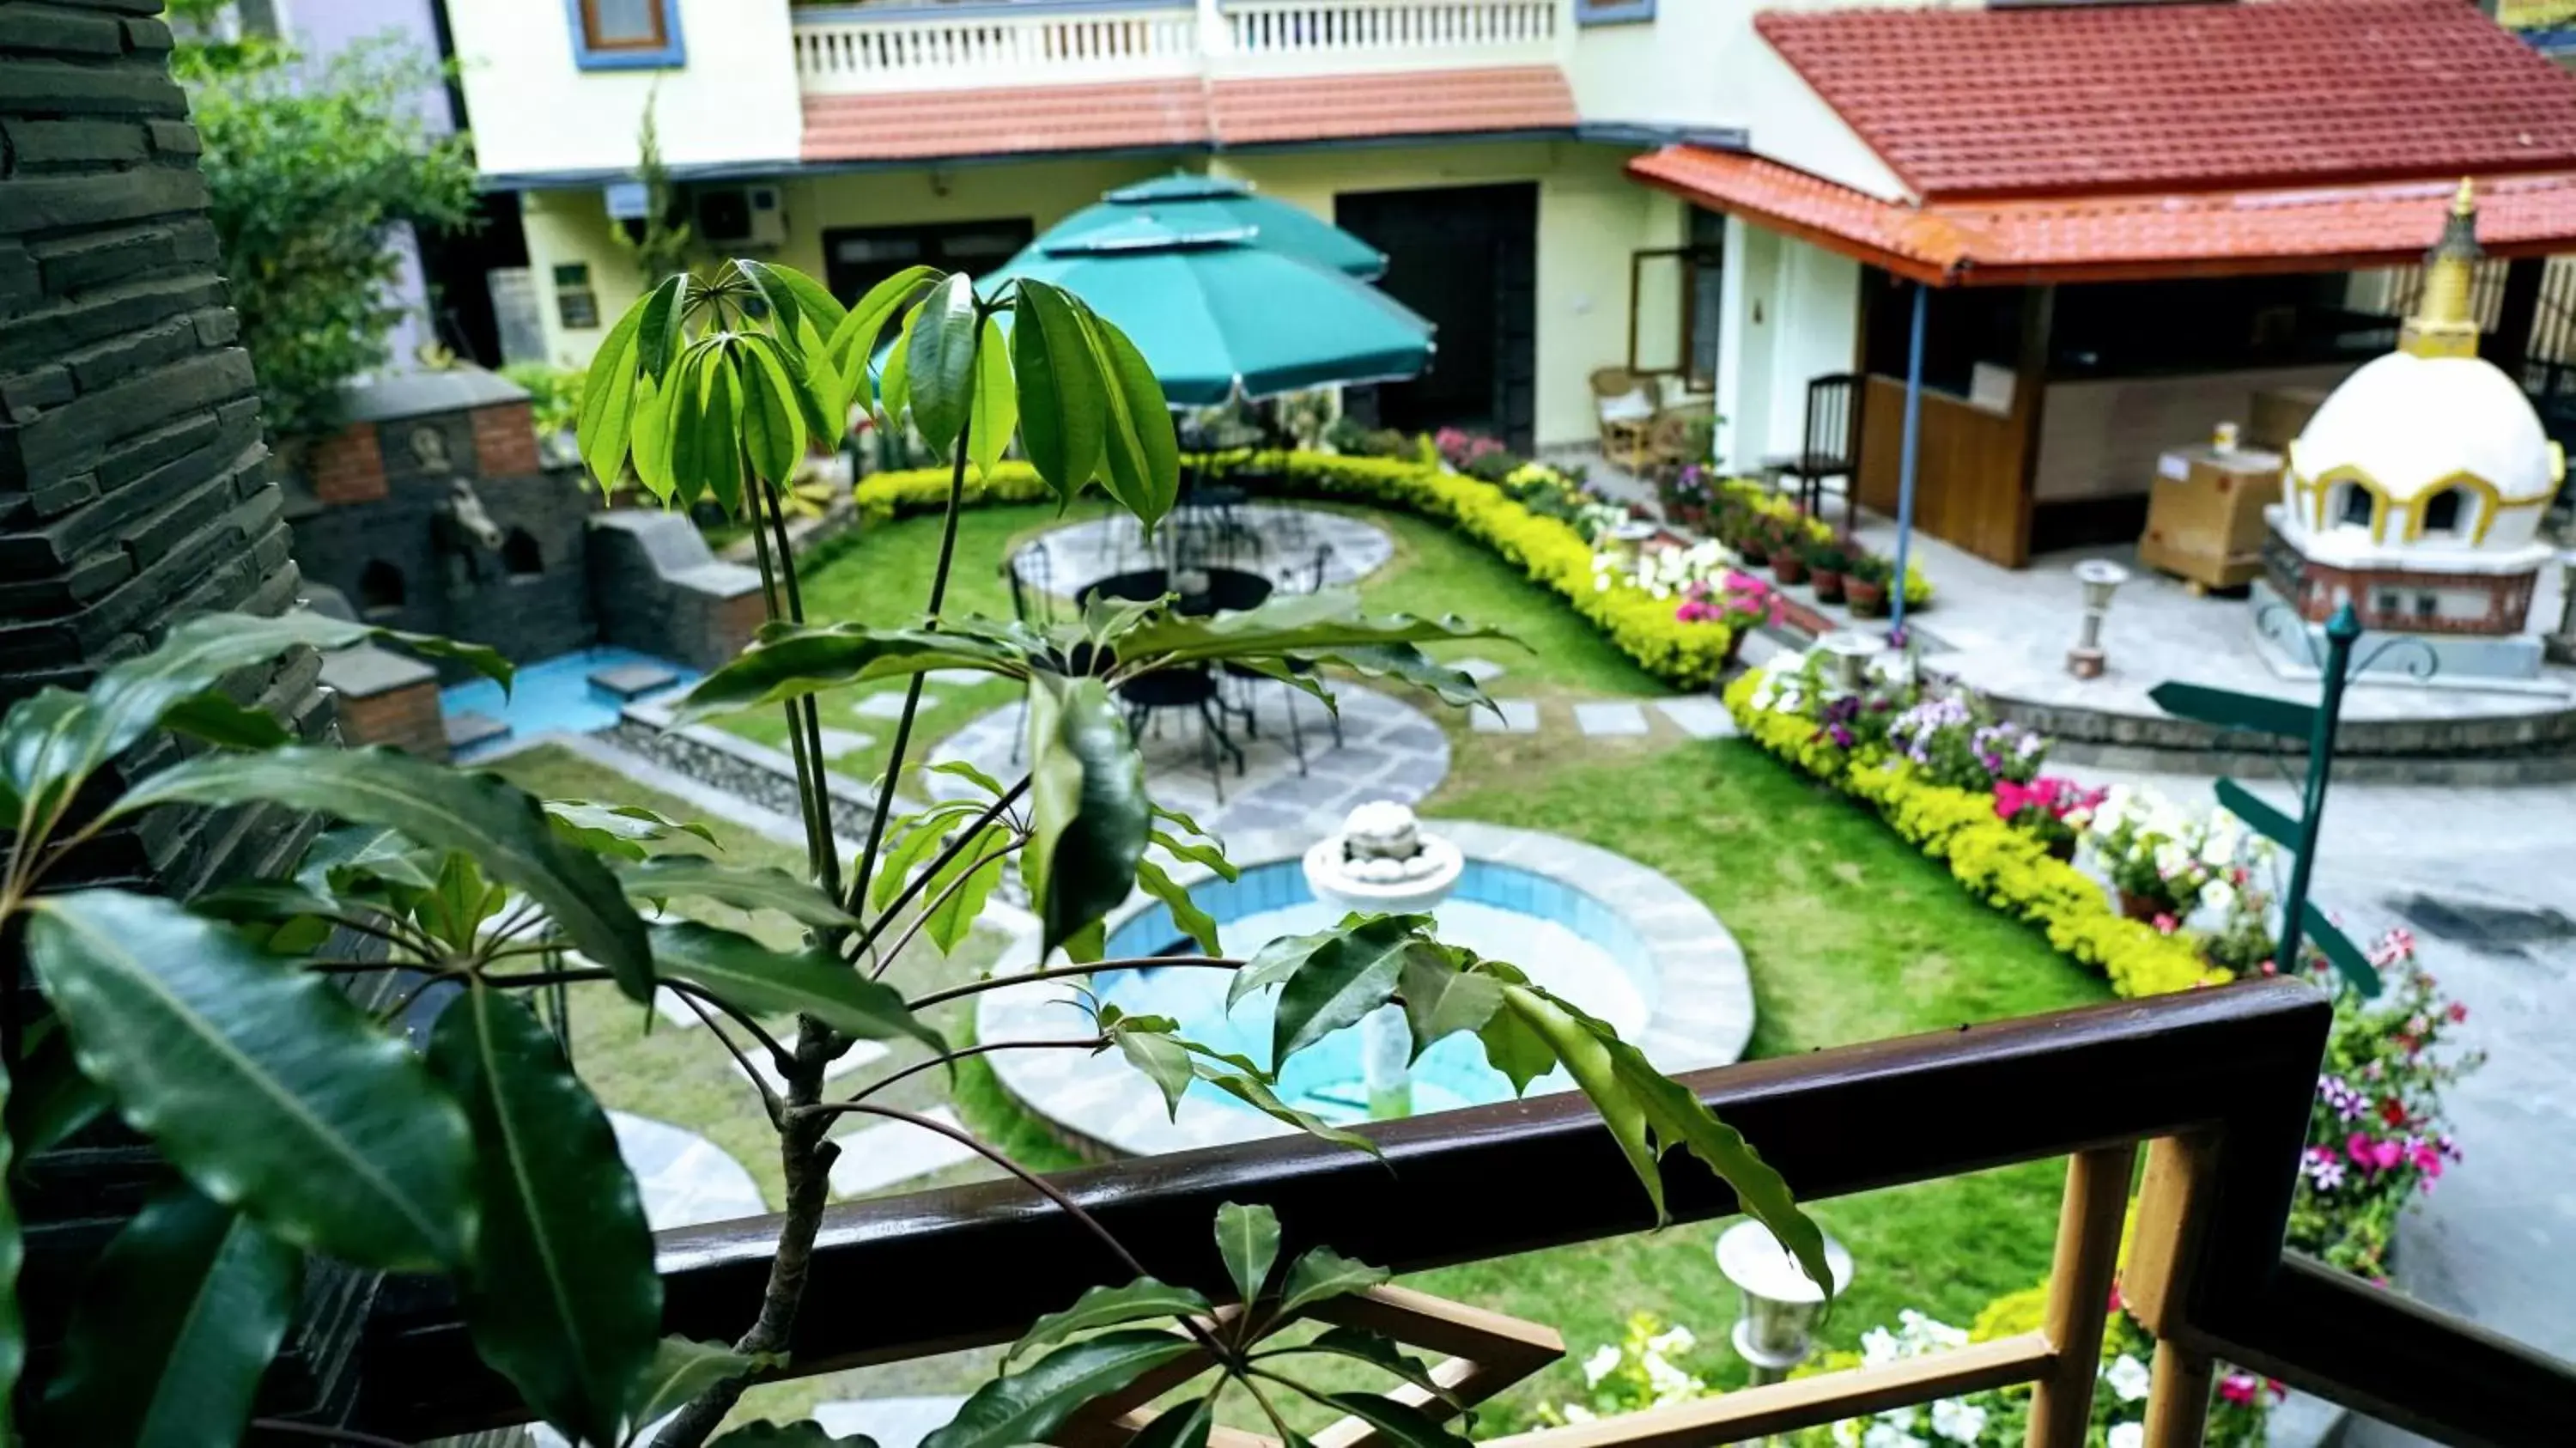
(955, 847)
(895, 951)
(546, 977)
(818, 840)
(768, 1099)
(818, 791)
(690, 993)
(1139, 962)
(912, 691)
(1086, 1043)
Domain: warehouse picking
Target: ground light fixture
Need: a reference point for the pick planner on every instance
(1781, 1304)
(2100, 577)
(1847, 656)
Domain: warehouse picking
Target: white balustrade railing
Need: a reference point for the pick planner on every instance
(898, 47)
(864, 48)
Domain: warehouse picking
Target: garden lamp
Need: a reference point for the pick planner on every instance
(1781, 1305)
(1847, 656)
(2100, 577)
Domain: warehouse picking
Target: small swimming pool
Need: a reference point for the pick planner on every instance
(551, 696)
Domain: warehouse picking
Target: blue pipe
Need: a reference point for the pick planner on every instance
(1906, 460)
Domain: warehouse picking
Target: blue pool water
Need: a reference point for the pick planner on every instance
(552, 695)
(1567, 941)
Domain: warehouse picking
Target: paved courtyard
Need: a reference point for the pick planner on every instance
(1064, 559)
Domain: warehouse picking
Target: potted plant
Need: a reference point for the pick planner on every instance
(2054, 808)
(1688, 498)
(1865, 578)
(1786, 550)
(1826, 559)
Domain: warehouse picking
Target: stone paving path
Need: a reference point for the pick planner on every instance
(1388, 750)
(1610, 717)
(685, 1178)
(1062, 560)
(877, 1157)
(887, 1422)
(1519, 716)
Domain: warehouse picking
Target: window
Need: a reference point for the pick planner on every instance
(380, 587)
(576, 305)
(2427, 605)
(1705, 274)
(2442, 512)
(2354, 506)
(520, 556)
(2386, 603)
(1676, 305)
(1612, 12)
(855, 259)
(626, 34)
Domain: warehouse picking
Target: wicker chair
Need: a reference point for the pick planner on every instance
(1624, 406)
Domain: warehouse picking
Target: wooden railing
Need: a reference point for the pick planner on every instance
(2216, 1085)
(860, 48)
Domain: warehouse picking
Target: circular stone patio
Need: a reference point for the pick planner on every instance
(1701, 1015)
(1063, 559)
(1389, 750)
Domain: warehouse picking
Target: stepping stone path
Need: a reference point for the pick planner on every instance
(628, 680)
(469, 728)
(1480, 670)
(888, 704)
(837, 742)
(1603, 720)
(1699, 716)
(895, 1151)
(1520, 716)
(860, 1055)
(685, 1178)
(887, 1422)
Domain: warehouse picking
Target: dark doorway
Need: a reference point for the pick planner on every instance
(453, 263)
(856, 258)
(1467, 258)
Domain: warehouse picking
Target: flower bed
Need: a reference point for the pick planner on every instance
(1551, 550)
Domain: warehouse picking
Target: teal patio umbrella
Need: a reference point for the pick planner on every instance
(1211, 204)
(1218, 316)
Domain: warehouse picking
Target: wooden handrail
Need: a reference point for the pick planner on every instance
(2233, 1068)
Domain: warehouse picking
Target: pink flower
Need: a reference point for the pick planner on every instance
(2238, 1388)
(2458, 1012)
(2427, 1158)
(2166, 924)
(2373, 1155)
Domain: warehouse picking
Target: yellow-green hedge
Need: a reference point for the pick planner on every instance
(2009, 867)
(1687, 655)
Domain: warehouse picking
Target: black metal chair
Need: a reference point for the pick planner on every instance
(1251, 679)
(1030, 576)
(1829, 450)
(1192, 690)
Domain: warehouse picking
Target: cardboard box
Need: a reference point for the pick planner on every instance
(2205, 515)
(2279, 414)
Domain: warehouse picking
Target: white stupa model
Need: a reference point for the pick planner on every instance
(2415, 493)
(1382, 861)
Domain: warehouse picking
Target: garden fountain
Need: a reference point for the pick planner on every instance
(1617, 939)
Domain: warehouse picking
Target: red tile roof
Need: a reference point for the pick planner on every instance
(927, 125)
(1408, 103)
(2126, 236)
(1978, 102)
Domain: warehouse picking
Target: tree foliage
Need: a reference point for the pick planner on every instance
(310, 165)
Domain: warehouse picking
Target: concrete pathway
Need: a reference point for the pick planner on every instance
(887, 1422)
(685, 1178)
(1519, 716)
(2482, 878)
(892, 1152)
(1610, 718)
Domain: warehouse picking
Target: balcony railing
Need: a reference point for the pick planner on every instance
(2216, 1083)
(854, 49)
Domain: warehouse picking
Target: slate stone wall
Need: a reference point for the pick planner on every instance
(134, 486)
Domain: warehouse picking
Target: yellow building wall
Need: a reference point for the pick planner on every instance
(1591, 219)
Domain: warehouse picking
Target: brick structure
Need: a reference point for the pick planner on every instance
(2400, 600)
(346, 467)
(505, 440)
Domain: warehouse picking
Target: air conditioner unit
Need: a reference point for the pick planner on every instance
(741, 216)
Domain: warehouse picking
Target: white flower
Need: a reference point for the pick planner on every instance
(1669, 1382)
(1877, 1345)
(2217, 894)
(1603, 1362)
(1888, 1435)
(1957, 1421)
(2128, 1435)
(1577, 1413)
(2128, 1378)
(1674, 1339)
(1847, 1434)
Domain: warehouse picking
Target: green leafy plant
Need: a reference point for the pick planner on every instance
(309, 166)
(247, 1033)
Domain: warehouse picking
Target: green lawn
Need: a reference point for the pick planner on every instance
(1849, 933)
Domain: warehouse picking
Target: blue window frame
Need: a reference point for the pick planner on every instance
(626, 34)
(1612, 12)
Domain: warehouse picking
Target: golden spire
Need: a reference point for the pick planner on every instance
(2443, 325)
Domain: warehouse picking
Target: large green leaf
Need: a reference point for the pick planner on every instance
(1373, 1348)
(1323, 1274)
(262, 1083)
(560, 1291)
(1513, 1048)
(996, 412)
(1252, 1091)
(175, 1324)
(773, 413)
(803, 315)
(13, 1329)
(1401, 1424)
(1141, 421)
(606, 419)
(1586, 1058)
(680, 1371)
(1143, 1300)
(501, 828)
(1349, 971)
(1125, 464)
(791, 661)
(961, 887)
(1183, 1425)
(622, 830)
(1061, 388)
(719, 440)
(745, 887)
(653, 436)
(854, 342)
(48, 1097)
(1164, 1060)
(751, 977)
(1024, 1407)
(1247, 1241)
(1187, 916)
(1441, 1000)
(1088, 814)
(1328, 625)
(55, 740)
(661, 331)
(940, 365)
